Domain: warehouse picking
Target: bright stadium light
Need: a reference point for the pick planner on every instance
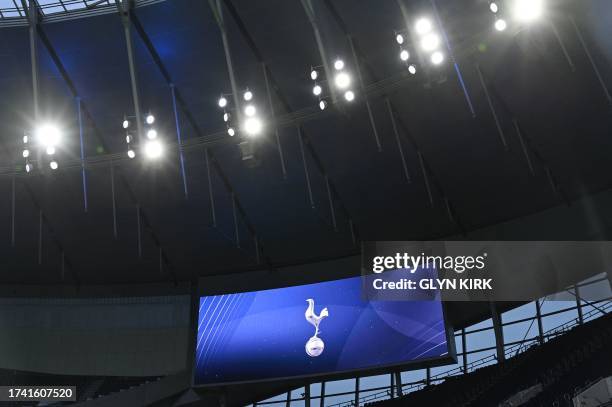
(342, 80)
(528, 10)
(153, 149)
(314, 75)
(226, 117)
(399, 38)
(437, 58)
(48, 135)
(404, 55)
(28, 167)
(248, 95)
(252, 126)
(131, 153)
(126, 123)
(152, 134)
(322, 105)
(222, 102)
(493, 7)
(250, 110)
(339, 64)
(423, 26)
(412, 69)
(50, 150)
(231, 132)
(150, 119)
(349, 95)
(53, 165)
(26, 153)
(430, 42)
(316, 90)
(25, 139)
(500, 24)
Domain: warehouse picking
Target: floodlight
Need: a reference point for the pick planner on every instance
(131, 153)
(26, 153)
(528, 10)
(412, 69)
(404, 55)
(226, 117)
(339, 64)
(349, 95)
(342, 80)
(28, 167)
(50, 150)
(252, 126)
(322, 105)
(152, 134)
(248, 95)
(128, 139)
(437, 58)
(317, 90)
(150, 119)
(53, 165)
(423, 26)
(222, 102)
(25, 139)
(231, 132)
(250, 110)
(48, 135)
(126, 123)
(430, 42)
(314, 75)
(399, 38)
(493, 7)
(500, 24)
(153, 149)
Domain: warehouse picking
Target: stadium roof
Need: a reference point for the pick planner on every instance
(461, 176)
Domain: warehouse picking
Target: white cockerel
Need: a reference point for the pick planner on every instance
(313, 318)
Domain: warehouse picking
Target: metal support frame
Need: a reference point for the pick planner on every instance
(82, 151)
(331, 204)
(428, 376)
(179, 140)
(124, 11)
(307, 395)
(33, 22)
(578, 305)
(498, 125)
(312, 18)
(539, 321)
(398, 382)
(356, 400)
(498, 331)
(322, 399)
(397, 139)
(464, 350)
(301, 143)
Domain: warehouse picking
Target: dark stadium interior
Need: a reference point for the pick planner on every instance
(509, 138)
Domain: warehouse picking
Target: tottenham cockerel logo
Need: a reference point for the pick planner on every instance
(314, 346)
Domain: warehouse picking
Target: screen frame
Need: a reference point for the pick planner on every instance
(206, 289)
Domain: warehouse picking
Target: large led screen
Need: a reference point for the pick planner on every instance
(311, 329)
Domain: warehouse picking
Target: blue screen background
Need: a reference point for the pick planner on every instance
(262, 334)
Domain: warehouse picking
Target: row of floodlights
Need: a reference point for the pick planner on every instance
(429, 41)
(252, 124)
(47, 137)
(342, 82)
(522, 10)
(152, 147)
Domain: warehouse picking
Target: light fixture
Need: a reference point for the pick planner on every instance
(231, 132)
(493, 7)
(252, 126)
(339, 64)
(152, 134)
(248, 95)
(250, 110)
(399, 38)
(314, 75)
(150, 119)
(430, 42)
(500, 24)
(437, 58)
(131, 153)
(53, 165)
(528, 10)
(322, 105)
(26, 153)
(222, 102)
(423, 26)
(404, 55)
(128, 139)
(50, 150)
(25, 139)
(153, 149)
(48, 135)
(412, 69)
(28, 167)
(349, 95)
(342, 80)
(126, 123)
(316, 90)
(226, 117)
